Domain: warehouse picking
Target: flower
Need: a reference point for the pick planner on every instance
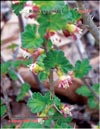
(66, 110)
(65, 81)
(73, 28)
(35, 68)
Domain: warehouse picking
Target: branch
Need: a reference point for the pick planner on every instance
(6, 100)
(88, 21)
(41, 86)
(51, 84)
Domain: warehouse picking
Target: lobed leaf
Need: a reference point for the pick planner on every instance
(24, 89)
(29, 39)
(57, 59)
(82, 68)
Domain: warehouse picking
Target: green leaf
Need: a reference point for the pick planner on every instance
(12, 46)
(5, 66)
(51, 111)
(57, 21)
(96, 88)
(71, 15)
(63, 122)
(43, 75)
(65, 125)
(18, 63)
(84, 91)
(24, 89)
(50, 5)
(62, 119)
(13, 75)
(82, 68)
(18, 7)
(57, 59)
(29, 39)
(31, 125)
(40, 60)
(37, 103)
(48, 123)
(92, 103)
(3, 110)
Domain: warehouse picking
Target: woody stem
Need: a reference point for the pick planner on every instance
(51, 84)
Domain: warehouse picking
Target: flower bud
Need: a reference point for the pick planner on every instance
(35, 68)
(73, 28)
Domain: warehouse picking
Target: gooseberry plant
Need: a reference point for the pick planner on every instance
(44, 21)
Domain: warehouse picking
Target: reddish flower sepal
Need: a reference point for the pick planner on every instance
(65, 81)
(49, 34)
(72, 30)
(36, 8)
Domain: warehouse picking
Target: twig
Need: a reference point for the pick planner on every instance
(6, 101)
(57, 109)
(41, 86)
(51, 82)
(17, 74)
(88, 21)
(22, 81)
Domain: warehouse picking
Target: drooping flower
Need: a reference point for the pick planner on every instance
(66, 110)
(73, 28)
(35, 68)
(65, 81)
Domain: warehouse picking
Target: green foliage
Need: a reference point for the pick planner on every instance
(17, 63)
(12, 75)
(57, 59)
(84, 91)
(47, 123)
(43, 75)
(6, 66)
(38, 102)
(3, 110)
(29, 39)
(92, 102)
(12, 46)
(31, 125)
(17, 8)
(82, 68)
(71, 15)
(24, 89)
(61, 121)
(50, 5)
